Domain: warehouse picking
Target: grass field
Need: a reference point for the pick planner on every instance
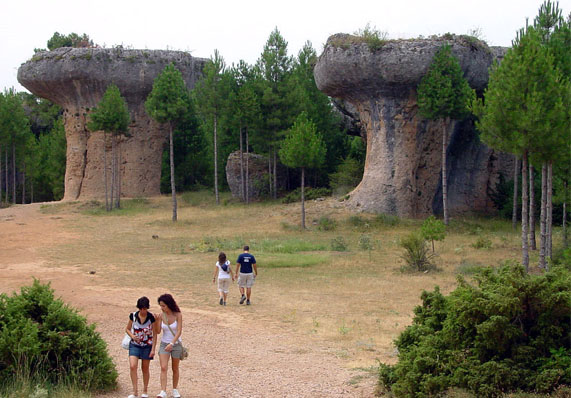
(339, 284)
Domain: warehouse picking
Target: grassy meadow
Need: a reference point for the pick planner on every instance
(339, 285)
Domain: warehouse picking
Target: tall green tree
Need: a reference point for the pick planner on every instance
(210, 94)
(169, 103)
(522, 105)
(303, 148)
(275, 67)
(110, 116)
(444, 94)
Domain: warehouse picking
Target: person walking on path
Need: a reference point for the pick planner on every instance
(142, 329)
(171, 345)
(224, 272)
(247, 272)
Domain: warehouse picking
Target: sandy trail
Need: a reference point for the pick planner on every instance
(230, 356)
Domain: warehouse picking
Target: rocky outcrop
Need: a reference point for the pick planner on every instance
(76, 78)
(402, 167)
(257, 175)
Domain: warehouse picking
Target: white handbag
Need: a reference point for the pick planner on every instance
(127, 339)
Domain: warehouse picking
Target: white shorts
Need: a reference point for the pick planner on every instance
(246, 280)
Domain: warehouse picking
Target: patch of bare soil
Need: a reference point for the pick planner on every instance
(230, 355)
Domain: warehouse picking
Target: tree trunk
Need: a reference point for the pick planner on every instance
(275, 173)
(0, 176)
(242, 186)
(532, 244)
(549, 211)
(303, 198)
(270, 171)
(247, 168)
(171, 156)
(107, 208)
(216, 160)
(31, 190)
(564, 221)
(514, 211)
(7, 179)
(524, 216)
(543, 216)
(24, 183)
(113, 166)
(118, 174)
(13, 172)
(444, 179)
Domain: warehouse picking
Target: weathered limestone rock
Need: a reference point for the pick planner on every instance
(76, 78)
(257, 175)
(402, 170)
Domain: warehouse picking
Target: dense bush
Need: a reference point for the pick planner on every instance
(310, 194)
(509, 333)
(43, 338)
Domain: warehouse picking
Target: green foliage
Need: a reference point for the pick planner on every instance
(72, 40)
(169, 100)
(310, 194)
(416, 253)
(433, 229)
(483, 242)
(111, 114)
(326, 224)
(374, 38)
(348, 175)
(508, 333)
(41, 337)
(338, 244)
(303, 146)
(444, 92)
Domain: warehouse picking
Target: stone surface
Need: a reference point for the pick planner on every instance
(257, 176)
(403, 165)
(76, 78)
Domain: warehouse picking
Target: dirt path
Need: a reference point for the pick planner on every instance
(230, 356)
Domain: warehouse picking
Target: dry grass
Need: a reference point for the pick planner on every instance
(352, 303)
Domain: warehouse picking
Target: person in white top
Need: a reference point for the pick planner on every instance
(171, 346)
(224, 272)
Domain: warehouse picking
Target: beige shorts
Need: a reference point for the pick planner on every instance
(246, 280)
(224, 285)
(176, 350)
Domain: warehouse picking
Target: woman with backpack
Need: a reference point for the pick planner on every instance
(224, 272)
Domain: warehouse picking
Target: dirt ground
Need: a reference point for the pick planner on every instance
(231, 356)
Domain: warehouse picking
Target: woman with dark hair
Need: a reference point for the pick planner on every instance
(224, 273)
(143, 332)
(171, 345)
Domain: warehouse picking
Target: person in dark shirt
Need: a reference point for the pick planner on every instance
(247, 272)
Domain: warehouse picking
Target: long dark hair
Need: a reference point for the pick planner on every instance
(169, 302)
(222, 258)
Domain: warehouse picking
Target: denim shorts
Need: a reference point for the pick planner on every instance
(141, 352)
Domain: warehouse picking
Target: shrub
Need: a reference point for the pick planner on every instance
(326, 224)
(482, 242)
(310, 194)
(338, 244)
(508, 333)
(416, 252)
(433, 229)
(42, 338)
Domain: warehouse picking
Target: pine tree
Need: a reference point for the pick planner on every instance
(444, 94)
(169, 103)
(303, 148)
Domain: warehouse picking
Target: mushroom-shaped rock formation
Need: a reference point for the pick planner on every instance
(76, 78)
(403, 163)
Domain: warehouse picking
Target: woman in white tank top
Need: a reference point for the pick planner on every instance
(171, 346)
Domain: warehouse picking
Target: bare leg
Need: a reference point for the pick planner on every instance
(133, 371)
(175, 372)
(248, 292)
(164, 359)
(145, 368)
